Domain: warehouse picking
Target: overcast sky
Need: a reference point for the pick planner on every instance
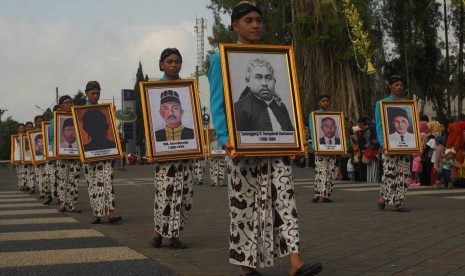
(65, 43)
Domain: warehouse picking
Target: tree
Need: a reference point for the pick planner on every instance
(48, 115)
(140, 128)
(8, 128)
(79, 98)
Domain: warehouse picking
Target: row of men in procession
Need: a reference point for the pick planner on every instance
(58, 177)
(264, 222)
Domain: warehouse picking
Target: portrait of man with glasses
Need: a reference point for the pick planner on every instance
(330, 131)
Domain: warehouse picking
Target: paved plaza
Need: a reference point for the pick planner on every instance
(349, 236)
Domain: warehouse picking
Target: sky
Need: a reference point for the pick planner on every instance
(64, 43)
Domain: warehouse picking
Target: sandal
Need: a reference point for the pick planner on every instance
(114, 219)
(156, 241)
(75, 211)
(308, 269)
(251, 273)
(62, 209)
(97, 221)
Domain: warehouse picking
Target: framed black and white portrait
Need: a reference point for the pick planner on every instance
(401, 130)
(328, 128)
(65, 138)
(37, 146)
(26, 156)
(97, 134)
(172, 118)
(15, 149)
(48, 143)
(262, 99)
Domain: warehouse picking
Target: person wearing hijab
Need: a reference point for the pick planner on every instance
(396, 167)
(174, 180)
(262, 225)
(455, 140)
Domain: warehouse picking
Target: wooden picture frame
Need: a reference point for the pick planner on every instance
(165, 105)
(49, 152)
(37, 146)
(97, 134)
(401, 127)
(65, 136)
(15, 157)
(26, 157)
(213, 147)
(329, 133)
(247, 69)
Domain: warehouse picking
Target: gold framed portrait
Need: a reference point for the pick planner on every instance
(401, 131)
(97, 134)
(48, 143)
(64, 136)
(213, 147)
(15, 157)
(26, 157)
(37, 146)
(329, 133)
(172, 118)
(262, 99)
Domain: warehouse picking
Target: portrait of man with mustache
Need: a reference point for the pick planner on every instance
(172, 112)
(260, 107)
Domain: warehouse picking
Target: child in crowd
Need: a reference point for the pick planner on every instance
(448, 164)
(350, 169)
(416, 170)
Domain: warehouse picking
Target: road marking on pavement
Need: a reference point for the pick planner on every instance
(28, 212)
(37, 221)
(49, 235)
(12, 192)
(17, 205)
(68, 256)
(436, 191)
(17, 199)
(13, 195)
(456, 197)
(365, 189)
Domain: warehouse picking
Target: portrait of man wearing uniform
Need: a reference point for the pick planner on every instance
(400, 131)
(329, 130)
(172, 112)
(260, 107)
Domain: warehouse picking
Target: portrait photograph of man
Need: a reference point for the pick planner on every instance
(260, 106)
(172, 113)
(16, 148)
(172, 119)
(26, 150)
(215, 148)
(38, 146)
(401, 131)
(68, 141)
(329, 134)
(262, 99)
(97, 132)
(47, 142)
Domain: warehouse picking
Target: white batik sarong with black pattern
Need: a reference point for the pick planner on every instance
(67, 175)
(217, 165)
(199, 166)
(395, 178)
(30, 176)
(262, 210)
(325, 166)
(50, 186)
(99, 176)
(174, 196)
(19, 175)
(39, 171)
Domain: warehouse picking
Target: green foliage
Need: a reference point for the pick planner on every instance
(7, 128)
(140, 128)
(79, 98)
(48, 115)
